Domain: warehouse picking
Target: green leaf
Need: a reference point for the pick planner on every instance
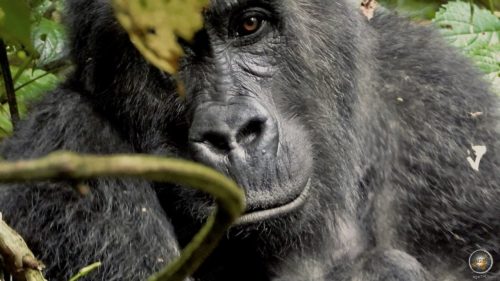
(15, 22)
(466, 30)
(36, 84)
(49, 40)
(476, 34)
(420, 9)
(5, 123)
(488, 60)
(31, 85)
(40, 7)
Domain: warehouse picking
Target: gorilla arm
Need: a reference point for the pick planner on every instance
(120, 222)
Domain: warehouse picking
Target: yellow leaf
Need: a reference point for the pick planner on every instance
(155, 25)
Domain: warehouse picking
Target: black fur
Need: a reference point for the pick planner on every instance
(381, 110)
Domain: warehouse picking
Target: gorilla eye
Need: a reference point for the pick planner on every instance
(249, 23)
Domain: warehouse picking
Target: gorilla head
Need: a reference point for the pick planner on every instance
(262, 105)
(348, 136)
(263, 108)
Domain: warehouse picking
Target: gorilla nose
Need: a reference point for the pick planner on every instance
(225, 140)
(220, 129)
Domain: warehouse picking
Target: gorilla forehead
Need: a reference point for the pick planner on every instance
(221, 5)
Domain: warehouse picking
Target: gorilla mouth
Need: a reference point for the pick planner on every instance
(264, 214)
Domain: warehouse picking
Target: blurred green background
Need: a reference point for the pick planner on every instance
(426, 9)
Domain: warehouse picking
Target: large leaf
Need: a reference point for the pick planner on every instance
(488, 60)
(468, 30)
(49, 41)
(31, 85)
(476, 32)
(34, 84)
(419, 9)
(15, 22)
(155, 25)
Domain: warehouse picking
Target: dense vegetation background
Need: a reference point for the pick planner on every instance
(33, 40)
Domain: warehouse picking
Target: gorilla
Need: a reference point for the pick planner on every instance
(350, 137)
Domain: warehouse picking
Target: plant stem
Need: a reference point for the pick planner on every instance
(51, 71)
(32, 80)
(9, 85)
(228, 196)
(86, 270)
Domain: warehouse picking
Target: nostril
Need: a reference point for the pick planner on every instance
(217, 141)
(251, 131)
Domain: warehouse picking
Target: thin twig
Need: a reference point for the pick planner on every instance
(9, 84)
(85, 271)
(47, 72)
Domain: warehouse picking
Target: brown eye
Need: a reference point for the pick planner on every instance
(249, 25)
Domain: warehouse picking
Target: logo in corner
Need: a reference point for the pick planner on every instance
(480, 261)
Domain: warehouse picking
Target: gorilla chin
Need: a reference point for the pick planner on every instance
(254, 216)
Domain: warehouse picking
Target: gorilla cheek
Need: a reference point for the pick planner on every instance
(290, 178)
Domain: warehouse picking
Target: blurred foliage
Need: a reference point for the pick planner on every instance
(35, 45)
(426, 9)
(14, 22)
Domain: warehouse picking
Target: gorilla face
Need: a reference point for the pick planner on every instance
(267, 101)
(261, 104)
(238, 124)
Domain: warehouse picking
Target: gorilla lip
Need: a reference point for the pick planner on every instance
(260, 215)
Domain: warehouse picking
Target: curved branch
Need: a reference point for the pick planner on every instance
(18, 258)
(67, 165)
